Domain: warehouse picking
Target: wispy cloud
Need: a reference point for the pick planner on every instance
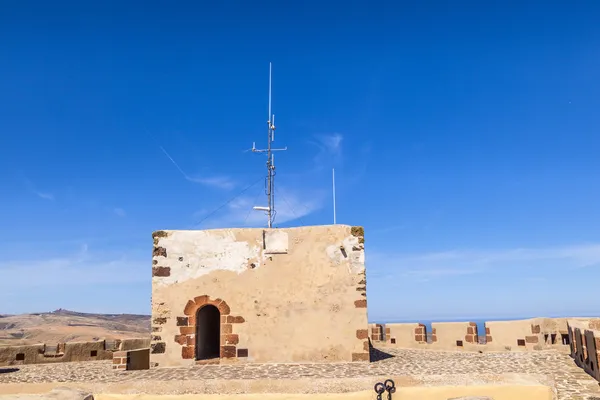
(220, 182)
(80, 267)
(435, 265)
(42, 195)
(290, 206)
(332, 143)
(120, 212)
(329, 149)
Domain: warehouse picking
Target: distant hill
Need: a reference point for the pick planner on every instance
(70, 326)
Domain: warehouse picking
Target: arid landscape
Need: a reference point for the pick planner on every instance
(62, 326)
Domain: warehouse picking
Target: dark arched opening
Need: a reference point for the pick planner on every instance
(208, 333)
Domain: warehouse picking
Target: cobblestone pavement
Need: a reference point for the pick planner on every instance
(570, 381)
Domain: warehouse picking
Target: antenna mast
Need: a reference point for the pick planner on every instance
(270, 184)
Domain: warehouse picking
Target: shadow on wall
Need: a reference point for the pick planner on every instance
(8, 370)
(379, 355)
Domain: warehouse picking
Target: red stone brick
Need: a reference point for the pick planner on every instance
(159, 252)
(226, 328)
(360, 303)
(224, 308)
(242, 353)
(360, 357)
(201, 300)
(214, 302)
(362, 333)
(472, 323)
(191, 340)
(224, 318)
(161, 271)
(531, 339)
(188, 352)
(235, 320)
(487, 330)
(469, 338)
(117, 360)
(488, 339)
(181, 339)
(366, 346)
(192, 320)
(434, 338)
(230, 339)
(419, 338)
(433, 331)
(187, 330)
(228, 351)
(535, 329)
(470, 330)
(121, 366)
(190, 308)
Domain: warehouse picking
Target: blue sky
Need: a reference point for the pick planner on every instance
(465, 139)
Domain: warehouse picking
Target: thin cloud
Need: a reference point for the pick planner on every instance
(435, 265)
(220, 182)
(78, 268)
(329, 149)
(290, 206)
(42, 195)
(332, 143)
(120, 212)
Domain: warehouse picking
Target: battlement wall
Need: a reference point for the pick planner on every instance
(517, 335)
(585, 345)
(66, 352)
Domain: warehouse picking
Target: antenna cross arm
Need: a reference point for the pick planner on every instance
(266, 150)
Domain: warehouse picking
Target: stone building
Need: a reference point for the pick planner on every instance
(259, 295)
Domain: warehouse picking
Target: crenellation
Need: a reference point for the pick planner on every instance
(516, 335)
(66, 352)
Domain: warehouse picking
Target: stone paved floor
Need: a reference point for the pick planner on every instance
(570, 381)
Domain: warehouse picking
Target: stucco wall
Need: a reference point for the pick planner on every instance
(406, 335)
(284, 295)
(131, 360)
(454, 335)
(515, 335)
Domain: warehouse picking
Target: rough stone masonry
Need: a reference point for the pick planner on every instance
(259, 295)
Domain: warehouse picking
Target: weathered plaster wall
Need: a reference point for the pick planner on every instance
(459, 335)
(285, 295)
(407, 335)
(132, 360)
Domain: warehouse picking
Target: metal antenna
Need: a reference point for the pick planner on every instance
(270, 184)
(333, 182)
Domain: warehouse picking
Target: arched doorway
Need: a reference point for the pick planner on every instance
(208, 333)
